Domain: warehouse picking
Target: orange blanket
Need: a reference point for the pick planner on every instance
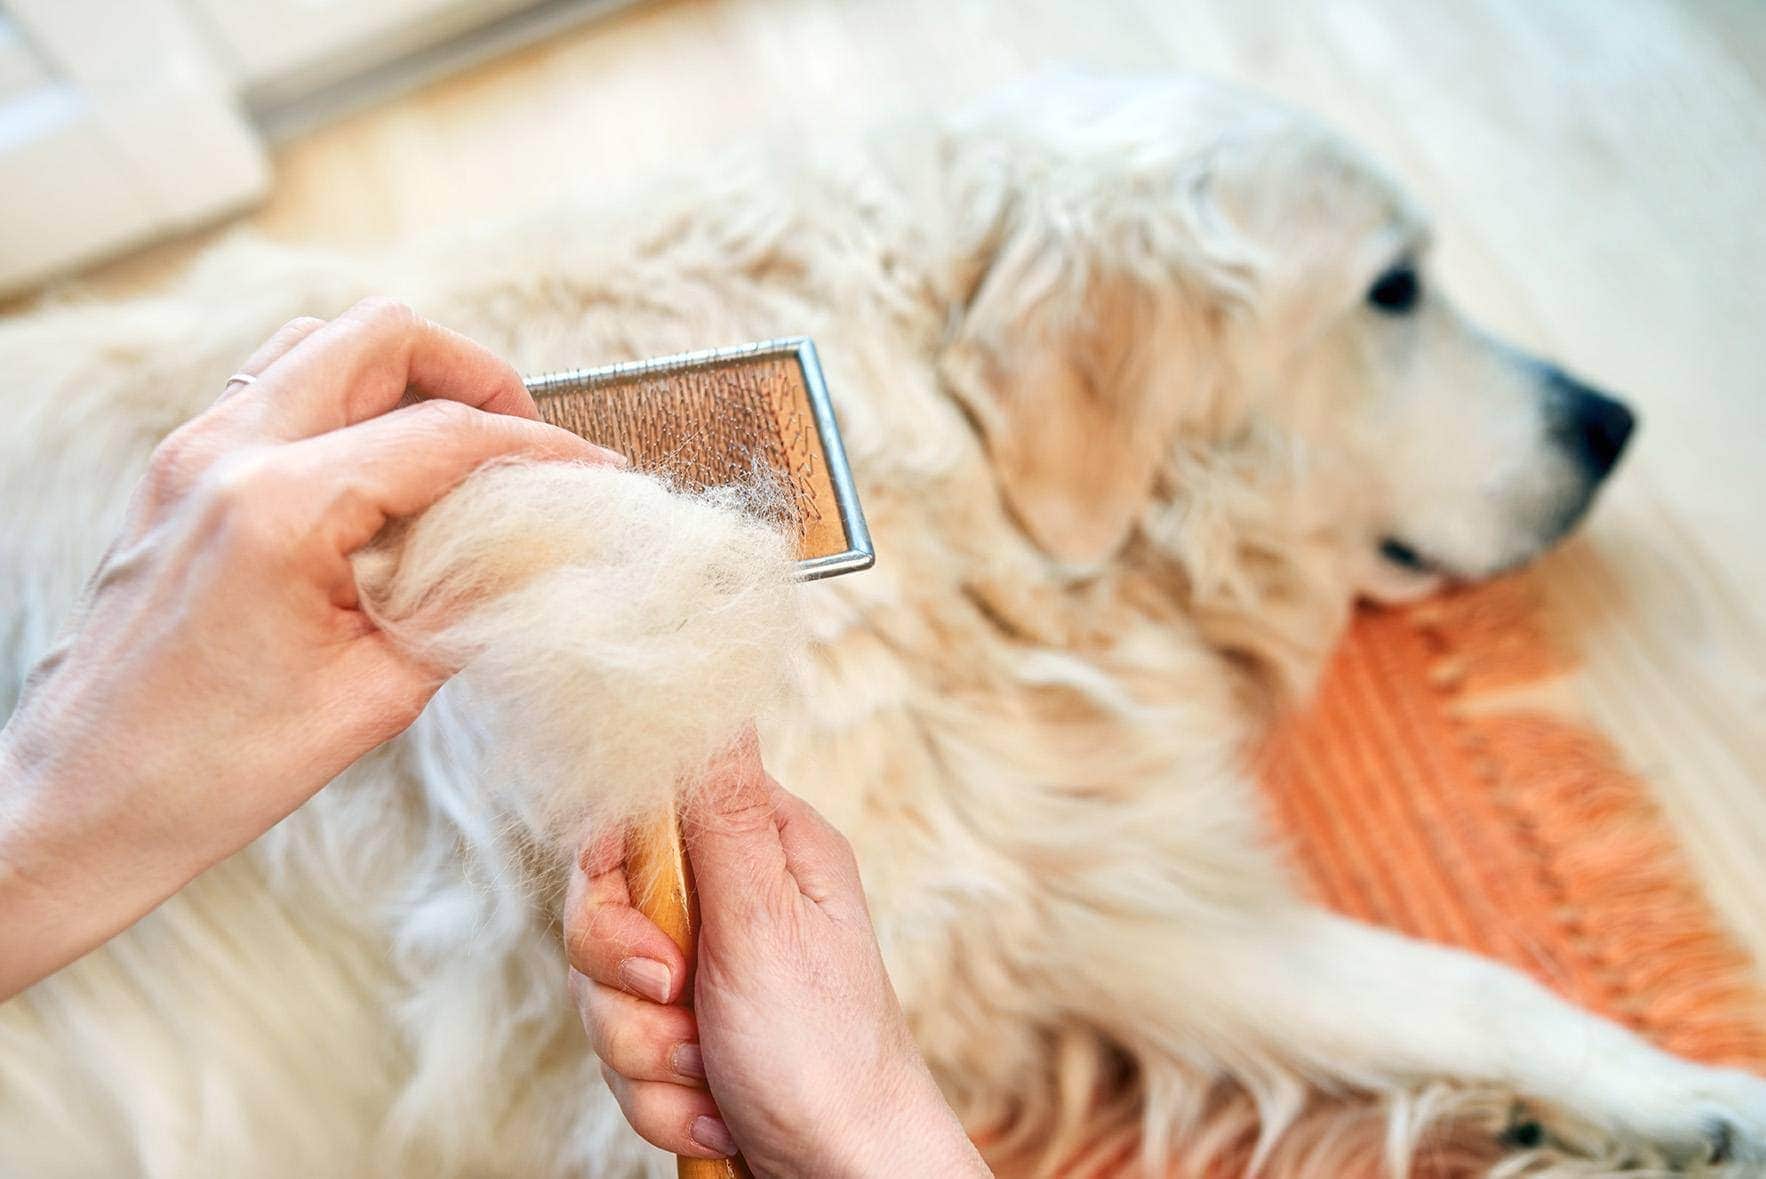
(1415, 798)
(1420, 791)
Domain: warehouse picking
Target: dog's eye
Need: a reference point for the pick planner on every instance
(1402, 555)
(1396, 291)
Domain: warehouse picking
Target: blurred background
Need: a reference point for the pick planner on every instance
(1596, 169)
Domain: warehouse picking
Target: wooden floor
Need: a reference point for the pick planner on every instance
(1597, 170)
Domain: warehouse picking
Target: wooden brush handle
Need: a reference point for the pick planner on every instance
(661, 880)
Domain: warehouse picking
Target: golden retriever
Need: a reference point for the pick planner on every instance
(1144, 383)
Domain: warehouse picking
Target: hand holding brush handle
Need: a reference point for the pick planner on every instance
(794, 1048)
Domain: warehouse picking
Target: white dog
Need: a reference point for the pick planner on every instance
(1144, 384)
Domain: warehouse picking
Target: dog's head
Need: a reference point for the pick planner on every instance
(1198, 331)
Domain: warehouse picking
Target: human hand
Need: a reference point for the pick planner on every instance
(795, 1049)
(219, 670)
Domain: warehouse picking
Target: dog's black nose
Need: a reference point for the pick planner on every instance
(1592, 425)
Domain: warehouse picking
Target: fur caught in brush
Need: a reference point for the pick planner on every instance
(614, 632)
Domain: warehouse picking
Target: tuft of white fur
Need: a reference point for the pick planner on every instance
(614, 632)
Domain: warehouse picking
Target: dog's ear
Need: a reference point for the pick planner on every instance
(1079, 352)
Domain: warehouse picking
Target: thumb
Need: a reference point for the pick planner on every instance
(731, 829)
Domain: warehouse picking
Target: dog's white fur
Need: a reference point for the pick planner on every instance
(1128, 438)
(614, 633)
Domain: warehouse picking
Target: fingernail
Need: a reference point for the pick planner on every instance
(689, 1062)
(646, 977)
(616, 458)
(712, 1134)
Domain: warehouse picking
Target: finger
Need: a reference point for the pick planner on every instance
(403, 461)
(613, 944)
(732, 836)
(270, 351)
(818, 857)
(602, 854)
(379, 687)
(362, 364)
(639, 1040)
(219, 429)
(677, 1119)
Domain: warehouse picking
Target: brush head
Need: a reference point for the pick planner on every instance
(758, 413)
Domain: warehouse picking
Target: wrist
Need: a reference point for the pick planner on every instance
(28, 916)
(27, 855)
(906, 1128)
(71, 875)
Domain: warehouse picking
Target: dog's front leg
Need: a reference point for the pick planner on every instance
(1346, 1003)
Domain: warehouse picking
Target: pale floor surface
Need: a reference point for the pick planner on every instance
(1596, 170)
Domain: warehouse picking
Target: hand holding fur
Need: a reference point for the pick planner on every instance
(218, 671)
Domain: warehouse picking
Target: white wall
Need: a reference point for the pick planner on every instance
(125, 120)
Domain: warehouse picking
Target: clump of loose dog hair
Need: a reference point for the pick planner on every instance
(613, 632)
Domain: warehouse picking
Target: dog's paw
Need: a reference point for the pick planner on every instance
(1716, 1117)
(1698, 1121)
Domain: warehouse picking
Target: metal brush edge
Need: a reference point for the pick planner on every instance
(859, 552)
